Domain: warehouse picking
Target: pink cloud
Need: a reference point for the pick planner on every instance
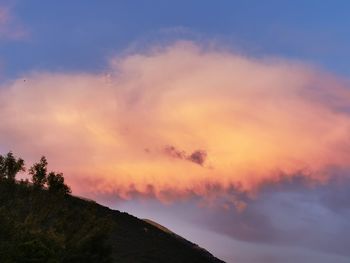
(10, 28)
(253, 119)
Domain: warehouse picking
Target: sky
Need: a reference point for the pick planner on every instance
(226, 121)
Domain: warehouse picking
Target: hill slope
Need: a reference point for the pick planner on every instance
(38, 226)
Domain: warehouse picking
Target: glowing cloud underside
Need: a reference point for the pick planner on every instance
(179, 119)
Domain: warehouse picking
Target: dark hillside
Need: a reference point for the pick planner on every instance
(37, 225)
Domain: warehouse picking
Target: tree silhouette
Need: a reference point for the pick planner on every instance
(2, 168)
(10, 166)
(55, 183)
(39, 173)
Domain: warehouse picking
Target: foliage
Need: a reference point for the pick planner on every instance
(38, 226)
(55, 183)
(39, 172)
(41, 222)
(10, 166)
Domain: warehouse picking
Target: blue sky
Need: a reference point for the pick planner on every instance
(74, 40)
(81, 35)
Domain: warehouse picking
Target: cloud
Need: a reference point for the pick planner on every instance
(292, 219)
(198, 156)
(174, 153)
(10, 28)
(289, 214)
(255, 118)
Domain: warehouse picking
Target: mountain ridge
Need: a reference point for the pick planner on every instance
(66, 228)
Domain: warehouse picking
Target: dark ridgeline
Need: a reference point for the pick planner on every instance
(41, 222)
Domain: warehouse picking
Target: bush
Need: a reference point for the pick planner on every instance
(55, 182)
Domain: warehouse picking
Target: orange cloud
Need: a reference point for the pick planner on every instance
(244, 120)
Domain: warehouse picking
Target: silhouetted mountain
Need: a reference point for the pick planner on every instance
(37, 225)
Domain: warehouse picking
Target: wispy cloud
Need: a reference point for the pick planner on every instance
(235, 121)
(290, 213)
(290, 220)
(10, 27)
(197, 156)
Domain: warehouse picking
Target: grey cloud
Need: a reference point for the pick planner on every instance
(173, 152)
(197, 156)
(294, 212)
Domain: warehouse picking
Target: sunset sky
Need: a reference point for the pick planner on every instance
(226, 121)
